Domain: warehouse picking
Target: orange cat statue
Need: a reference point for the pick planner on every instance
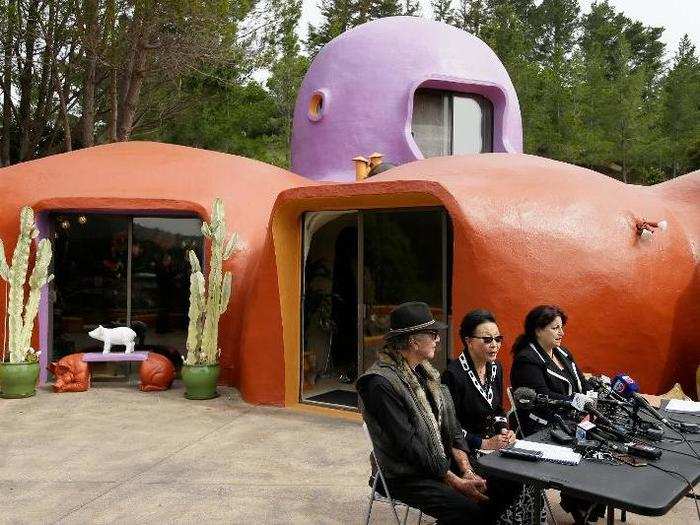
(156, 373)
(72, 374)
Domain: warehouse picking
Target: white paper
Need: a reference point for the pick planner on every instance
(680, 405)
(550, 452)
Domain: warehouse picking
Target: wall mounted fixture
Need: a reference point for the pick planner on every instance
(645, 228)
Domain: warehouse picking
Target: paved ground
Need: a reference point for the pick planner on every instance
(116, 455)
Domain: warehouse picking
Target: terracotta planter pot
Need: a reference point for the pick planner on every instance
(200, 381)
(18, 380)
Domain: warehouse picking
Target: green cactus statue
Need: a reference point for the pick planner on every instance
(208, 303)
(21, 316)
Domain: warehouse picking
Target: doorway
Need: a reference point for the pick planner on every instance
(358, 265)
(121, 270)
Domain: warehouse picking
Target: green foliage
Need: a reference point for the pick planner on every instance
(680, 111)
(594, 89)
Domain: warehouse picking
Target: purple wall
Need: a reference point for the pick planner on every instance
(367, 77)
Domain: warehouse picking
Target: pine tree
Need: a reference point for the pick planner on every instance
(338, 17)
(411, 8)
(443, 11)
(470, 15)
(680, 110)
(288, 70)
(384, 8)
(557, 23)
(553, 127)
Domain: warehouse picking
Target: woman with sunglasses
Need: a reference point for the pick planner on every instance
(475, 381)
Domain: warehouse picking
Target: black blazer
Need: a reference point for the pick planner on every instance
(474, 412)
(533, 368)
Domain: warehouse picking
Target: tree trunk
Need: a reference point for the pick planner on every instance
(90, 44)
(7, 84)
(112, 93)
(68, 142)
(25, 83)
(45, 87)
(131, 97)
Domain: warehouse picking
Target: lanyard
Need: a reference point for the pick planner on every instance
(486, 394)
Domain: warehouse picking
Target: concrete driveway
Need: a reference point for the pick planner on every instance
(117, 455)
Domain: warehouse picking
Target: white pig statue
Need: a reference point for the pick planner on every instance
(122, 335)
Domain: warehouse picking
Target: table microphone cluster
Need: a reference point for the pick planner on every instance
(623, 391)
(603, 434)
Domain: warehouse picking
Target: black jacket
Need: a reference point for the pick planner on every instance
(533, 368)
(474, 412)
(401, 432)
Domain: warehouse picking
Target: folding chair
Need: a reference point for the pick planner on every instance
(376, 496)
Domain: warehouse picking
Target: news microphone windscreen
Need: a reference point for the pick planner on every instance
(580, 402)
(624, 385)
(524, 397)
(524, 394)
(500, 423)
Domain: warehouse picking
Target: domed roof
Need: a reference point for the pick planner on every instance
(357, 96)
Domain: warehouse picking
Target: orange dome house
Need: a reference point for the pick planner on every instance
(326, 261)
(121, 217)
(500, 231)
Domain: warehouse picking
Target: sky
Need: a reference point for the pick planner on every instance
(676, 16)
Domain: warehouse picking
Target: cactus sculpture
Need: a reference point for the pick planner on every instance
(20, 316)
(208, 303)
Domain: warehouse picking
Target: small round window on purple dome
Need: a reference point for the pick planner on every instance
(317, 105)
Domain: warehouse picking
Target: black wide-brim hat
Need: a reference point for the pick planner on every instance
(411, 318)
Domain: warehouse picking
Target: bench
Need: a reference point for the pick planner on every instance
(118, 357)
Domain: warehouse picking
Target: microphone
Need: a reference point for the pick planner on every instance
(588, 430)
(527, 398)
(628, 388)
(602, 386)
(624, 385)
(500, 423)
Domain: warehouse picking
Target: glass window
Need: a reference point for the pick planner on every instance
(117, 270)
(447, 123)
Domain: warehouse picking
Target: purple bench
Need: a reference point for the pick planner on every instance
(99, 357)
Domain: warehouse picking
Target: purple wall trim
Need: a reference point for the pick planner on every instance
(494, 93)
(369, 75)
(42, 222)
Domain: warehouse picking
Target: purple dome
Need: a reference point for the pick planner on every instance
(357, 96)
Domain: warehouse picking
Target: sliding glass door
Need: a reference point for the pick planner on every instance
(358, 265)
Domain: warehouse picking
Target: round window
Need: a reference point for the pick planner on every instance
(317, 105)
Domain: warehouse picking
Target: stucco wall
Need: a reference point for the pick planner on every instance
(152, 178)
(529, 231)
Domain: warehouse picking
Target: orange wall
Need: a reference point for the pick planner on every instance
(526, 231)
(145, 177)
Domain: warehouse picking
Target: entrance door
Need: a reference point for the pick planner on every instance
(358, 265)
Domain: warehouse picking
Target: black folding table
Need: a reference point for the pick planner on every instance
(642, 490)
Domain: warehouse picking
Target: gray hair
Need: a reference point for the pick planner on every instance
(398, 342)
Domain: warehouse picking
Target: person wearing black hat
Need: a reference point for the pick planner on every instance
(416, 436)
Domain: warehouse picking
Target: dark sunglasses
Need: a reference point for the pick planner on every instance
(488, 339)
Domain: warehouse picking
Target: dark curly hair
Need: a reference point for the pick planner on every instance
(536, 319)
(472, 320)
